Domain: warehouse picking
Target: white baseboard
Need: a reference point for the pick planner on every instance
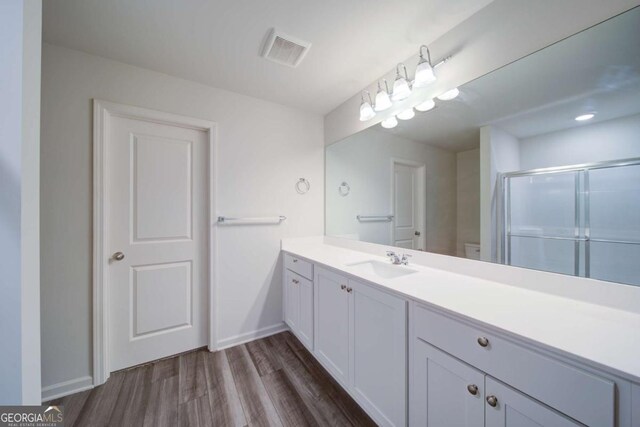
(66, 388)
(250, 336)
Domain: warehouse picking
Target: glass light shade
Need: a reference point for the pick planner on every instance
(382, 100)
(426, 105)
(424, 74)
(401, 89)
(389, 123)
(449, 95)
(366, 112)
(407, 114)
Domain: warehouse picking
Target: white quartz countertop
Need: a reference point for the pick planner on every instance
(604, 337)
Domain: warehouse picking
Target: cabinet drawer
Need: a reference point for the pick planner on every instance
(572, 391)
(302, 267)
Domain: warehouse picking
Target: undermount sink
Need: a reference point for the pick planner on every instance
(380, 269)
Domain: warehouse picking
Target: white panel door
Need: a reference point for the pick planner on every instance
(305, 318)
(156, 218)
(514, 409)
(331, 326)
(445, 392)
(292, 300)
(379, 355)
(406, 228)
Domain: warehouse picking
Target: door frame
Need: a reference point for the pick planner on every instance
(103, 111)
(422, 192)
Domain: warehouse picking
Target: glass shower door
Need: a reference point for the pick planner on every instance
(543, 222)
(613, 228)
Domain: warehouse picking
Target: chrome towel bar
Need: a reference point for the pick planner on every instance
(225, 220)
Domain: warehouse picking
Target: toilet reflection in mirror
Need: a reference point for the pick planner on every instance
(535, 165)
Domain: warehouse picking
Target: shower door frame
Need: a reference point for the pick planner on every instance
(580, 170)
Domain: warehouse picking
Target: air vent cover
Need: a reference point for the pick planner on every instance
(284, 49)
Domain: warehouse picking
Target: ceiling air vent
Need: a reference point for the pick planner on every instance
(284, 49)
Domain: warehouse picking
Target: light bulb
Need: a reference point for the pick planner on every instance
(389, 123)
(449, 95)
(366, 111)
(426, 105)
(407, 114)
(382, 100)
(424, 74)
(401, 89)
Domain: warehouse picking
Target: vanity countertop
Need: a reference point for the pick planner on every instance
(601, 336)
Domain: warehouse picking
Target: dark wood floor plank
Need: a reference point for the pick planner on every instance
(101, 401)
(311, 389)
(195, 413)
(165, 368)
(129, 410)
(226, 408)
(257, 406)
(193, 383)
(73, 406)
(263, 356)
(162, 407)
(289, 404)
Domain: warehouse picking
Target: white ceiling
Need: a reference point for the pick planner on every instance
(218, 42)
(595, 70)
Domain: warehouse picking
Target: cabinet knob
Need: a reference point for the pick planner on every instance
(483, 341)
(295, 281)
(295, 260)
(473, 389)
(492, 401)
(343, 287)
(349, 290)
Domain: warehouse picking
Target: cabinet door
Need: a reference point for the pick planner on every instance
(514, 409)
(291, 300)
(445, 392)
(305, 314)
(378, 353)
(331, 326)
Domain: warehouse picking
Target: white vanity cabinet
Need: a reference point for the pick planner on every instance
(454, 369)
(298, 298)
(361, 339)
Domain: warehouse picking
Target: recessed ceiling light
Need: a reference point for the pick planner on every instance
(584, 117)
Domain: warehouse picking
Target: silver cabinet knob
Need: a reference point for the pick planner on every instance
(118, 256)
(295, 281)
(343, 287)
(483, 341)
(349, 290)
(295, 260)
(416, 233)
(473, 389)
(492, 401)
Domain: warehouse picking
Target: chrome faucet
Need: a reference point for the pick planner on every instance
(396, 260)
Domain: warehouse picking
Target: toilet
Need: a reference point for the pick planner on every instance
(472, 250)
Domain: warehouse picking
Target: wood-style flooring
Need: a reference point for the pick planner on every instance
(273, 381)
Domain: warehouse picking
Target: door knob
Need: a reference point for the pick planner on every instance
(118, 256)
(492, 401)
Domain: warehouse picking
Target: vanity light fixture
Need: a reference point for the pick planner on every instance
(389, 123)
(401, 87)
(426, 105)
(449, 95)
(407, 114)
(382, 97)
(366, 108)
(585, 117)
(424, 70)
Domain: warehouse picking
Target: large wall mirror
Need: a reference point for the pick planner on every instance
(536, 165)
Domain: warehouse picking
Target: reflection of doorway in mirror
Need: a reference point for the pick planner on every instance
(408, 198)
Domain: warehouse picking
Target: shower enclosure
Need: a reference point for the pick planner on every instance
(582, 220)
